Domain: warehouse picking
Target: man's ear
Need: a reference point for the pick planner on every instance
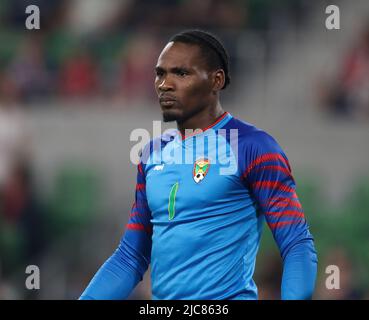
(218, 80)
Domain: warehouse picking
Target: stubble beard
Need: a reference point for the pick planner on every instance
(169, 117)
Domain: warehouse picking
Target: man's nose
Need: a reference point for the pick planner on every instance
(165, 84)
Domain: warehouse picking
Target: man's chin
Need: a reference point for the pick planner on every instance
(169, 116)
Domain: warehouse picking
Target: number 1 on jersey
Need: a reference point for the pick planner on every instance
(172, 201)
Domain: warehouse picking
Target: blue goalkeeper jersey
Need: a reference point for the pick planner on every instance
(200, 205)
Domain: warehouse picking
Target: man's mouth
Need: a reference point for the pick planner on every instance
(167, 101)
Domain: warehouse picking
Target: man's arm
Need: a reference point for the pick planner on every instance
(269, 178)
(119, 275)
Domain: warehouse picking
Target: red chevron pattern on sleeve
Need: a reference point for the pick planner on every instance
(139, 226)
(269, 179)
(267, 158)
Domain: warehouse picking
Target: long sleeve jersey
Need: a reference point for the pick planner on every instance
(200, 204)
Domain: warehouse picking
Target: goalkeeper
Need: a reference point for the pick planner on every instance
(198, 222)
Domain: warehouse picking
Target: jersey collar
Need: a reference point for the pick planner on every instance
(217, 124)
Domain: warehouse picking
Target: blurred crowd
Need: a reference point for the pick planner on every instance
(94, 51)
(346, 95)
(21, 220)
(88, 49)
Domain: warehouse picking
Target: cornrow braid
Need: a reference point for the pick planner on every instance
(212, 48)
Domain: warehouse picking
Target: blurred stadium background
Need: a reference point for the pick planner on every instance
(72, 92)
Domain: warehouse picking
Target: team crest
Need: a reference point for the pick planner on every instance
(200, 169)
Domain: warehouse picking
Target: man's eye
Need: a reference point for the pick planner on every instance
(182, 73)
(159, 73)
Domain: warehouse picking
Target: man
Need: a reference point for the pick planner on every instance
(199, 223)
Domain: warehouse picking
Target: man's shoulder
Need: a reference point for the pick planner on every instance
(249, 135)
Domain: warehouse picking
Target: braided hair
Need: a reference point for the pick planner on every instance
(211, 47)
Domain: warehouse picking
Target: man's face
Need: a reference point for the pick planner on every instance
(183, 83)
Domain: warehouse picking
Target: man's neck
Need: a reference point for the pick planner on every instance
(201, 120)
